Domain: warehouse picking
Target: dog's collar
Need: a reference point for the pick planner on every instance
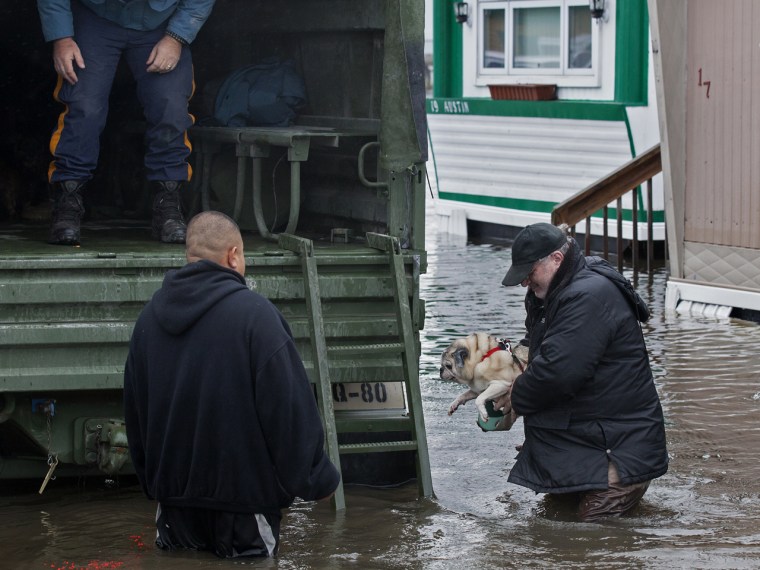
(490, 352)
(503, 344)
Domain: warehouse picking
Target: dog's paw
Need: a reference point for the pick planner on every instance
(455, 405)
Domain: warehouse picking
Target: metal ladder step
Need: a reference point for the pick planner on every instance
(382, 348)
(378, 447)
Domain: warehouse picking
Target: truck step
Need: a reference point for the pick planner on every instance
(380, 348)
(378, 447)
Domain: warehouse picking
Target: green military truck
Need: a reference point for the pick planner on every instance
(331, 207)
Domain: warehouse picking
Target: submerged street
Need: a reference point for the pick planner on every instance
(704, 513)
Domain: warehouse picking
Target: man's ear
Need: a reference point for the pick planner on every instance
(232, 259)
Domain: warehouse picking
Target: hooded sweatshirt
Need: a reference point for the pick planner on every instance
(219, 411)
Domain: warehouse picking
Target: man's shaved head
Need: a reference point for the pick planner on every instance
(211, 235)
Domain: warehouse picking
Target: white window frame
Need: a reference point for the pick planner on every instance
(562, 76)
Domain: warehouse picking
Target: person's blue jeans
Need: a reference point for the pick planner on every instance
(164, 98)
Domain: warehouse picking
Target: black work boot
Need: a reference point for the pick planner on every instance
(68, 210)
(168, 223)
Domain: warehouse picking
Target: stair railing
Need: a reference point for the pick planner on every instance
(613, 187)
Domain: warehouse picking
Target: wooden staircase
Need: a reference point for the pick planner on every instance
(596, 198)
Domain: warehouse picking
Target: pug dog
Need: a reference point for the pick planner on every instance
(487, 365)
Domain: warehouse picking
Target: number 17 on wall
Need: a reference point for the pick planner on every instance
(702, 83)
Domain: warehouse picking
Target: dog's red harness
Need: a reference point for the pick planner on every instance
(490, 352)
(503, 344)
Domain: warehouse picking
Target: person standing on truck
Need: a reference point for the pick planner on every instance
(221, 419)
(594, 427)
(89, 37)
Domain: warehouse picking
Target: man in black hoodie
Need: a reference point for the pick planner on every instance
(222, 422)
(594, 428)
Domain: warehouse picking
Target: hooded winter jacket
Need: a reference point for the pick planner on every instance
(218, 408)
(588, 395)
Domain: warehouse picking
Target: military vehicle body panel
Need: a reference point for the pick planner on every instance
(66, 314)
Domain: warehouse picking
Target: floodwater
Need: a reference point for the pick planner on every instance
(704, 513)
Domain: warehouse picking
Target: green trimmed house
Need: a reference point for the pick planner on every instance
(534, 100)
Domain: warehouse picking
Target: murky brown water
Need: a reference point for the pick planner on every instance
(705, 513)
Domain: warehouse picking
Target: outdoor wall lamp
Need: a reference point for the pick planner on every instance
(462, 12)
(597, 8)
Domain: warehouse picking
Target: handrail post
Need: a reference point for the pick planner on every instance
(587, 237)
(635, 231)
(620, 234)
(650, 225)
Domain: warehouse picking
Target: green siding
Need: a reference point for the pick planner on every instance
(587, 110)
(538, 206)
(447, 51)
(631, 52)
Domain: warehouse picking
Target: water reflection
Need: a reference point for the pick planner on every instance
(703, 514)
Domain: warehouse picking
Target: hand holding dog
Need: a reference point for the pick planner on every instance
(503, 403)
(506, 422)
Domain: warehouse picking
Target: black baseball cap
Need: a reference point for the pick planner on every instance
(534, 242)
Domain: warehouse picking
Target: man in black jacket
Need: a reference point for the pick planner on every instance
(594, 426)
(222, 423)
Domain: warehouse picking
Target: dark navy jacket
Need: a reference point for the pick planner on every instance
(588, 394)
(185, 17)
(219, 411)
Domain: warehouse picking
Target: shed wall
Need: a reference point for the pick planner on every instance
(722, 194)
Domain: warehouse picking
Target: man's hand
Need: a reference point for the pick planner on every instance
(65, 54)
(503, 403)
(507, 421)
(164, 55)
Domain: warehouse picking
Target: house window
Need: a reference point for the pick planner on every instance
(493, 38)
(578, 38)
(537, 40)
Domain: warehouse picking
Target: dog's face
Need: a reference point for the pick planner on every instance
(456, 361)
(463, 361)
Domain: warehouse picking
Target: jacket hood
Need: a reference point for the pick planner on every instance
(188, 293)
(603, 267)
(575, 261)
